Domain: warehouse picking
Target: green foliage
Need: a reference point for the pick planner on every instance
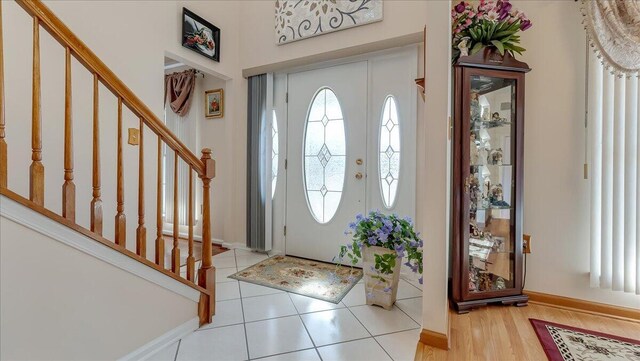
(501, 35)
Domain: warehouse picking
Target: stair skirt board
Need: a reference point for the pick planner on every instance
(50, 228)
(150, 348)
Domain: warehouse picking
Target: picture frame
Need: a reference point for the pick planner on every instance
(200, 35)
(214, 103)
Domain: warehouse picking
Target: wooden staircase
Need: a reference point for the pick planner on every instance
(204, 167)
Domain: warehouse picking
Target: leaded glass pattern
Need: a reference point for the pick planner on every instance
(274, 153)
(324, 155)
(389, 154)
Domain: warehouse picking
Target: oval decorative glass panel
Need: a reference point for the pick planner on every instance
(389, 151)
(324, 155)
(274, 153)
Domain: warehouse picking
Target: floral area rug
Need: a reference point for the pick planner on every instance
(320, 280)
(565, 343)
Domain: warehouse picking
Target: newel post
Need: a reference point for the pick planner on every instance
(207, 272)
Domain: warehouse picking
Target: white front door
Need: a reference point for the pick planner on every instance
(351, 148)
(326, 148)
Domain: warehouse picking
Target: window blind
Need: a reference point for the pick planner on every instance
(614, 173)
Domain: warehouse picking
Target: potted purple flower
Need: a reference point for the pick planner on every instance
(381, 242)
(492, 24)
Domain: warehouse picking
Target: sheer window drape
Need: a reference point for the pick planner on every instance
(184, 129)
(181, 120)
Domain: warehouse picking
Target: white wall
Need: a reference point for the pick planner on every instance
(401, 18)
(555, 194)
(214, 134)
(58, 303)
(433, 168)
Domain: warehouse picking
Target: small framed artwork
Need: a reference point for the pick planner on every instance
(214, 103)
(200, 35)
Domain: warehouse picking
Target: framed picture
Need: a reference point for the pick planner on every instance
(214, 103)
(200, 35)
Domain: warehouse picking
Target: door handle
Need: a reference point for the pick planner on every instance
(358, 175)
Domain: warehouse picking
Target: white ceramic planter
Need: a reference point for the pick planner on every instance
(374, 287)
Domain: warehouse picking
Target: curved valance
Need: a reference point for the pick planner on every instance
(178, 91)
(613, 27)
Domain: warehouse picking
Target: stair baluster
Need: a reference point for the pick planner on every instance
(141, 231)
(120, 220)
(191, 262)
(175, 252)
(159, 237)
(96, 202)
(36, 171)
(68, 188)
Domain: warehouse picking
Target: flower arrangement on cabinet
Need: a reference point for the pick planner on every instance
(490, 23)
(386, 231)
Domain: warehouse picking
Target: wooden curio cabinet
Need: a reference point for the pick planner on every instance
(487, 181)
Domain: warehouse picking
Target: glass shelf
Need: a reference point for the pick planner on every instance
(488, 124)
(491, 165)
(493, 207)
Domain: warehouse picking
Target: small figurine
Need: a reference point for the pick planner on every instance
(473, 279)
(475, 193)
(496, 193)
(483, 154)
(486, 190)
(500, 284)
(486, 115)
(473, 147)
(495, 157)
(475, 106)
(463, 46)
(495, 117)
(484, 282)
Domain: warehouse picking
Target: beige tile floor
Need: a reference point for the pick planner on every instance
(254, 322)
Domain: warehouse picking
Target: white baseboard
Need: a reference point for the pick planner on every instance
(20, 214)
(150, 348)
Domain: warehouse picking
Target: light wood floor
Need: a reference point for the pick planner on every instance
(504, 333)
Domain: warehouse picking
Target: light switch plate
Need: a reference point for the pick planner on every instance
(134, 136)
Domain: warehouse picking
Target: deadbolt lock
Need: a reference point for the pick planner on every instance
(359, 161)
(358, 175)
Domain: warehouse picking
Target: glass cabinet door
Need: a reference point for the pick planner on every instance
(490, 185)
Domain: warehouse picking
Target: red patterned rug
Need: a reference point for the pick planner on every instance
(564, 343)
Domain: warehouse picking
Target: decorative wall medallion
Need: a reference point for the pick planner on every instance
(299, 19)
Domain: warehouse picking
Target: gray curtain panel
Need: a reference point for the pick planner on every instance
(257, 173)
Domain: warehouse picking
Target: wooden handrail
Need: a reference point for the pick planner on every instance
(204, 167)
(54, 26)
